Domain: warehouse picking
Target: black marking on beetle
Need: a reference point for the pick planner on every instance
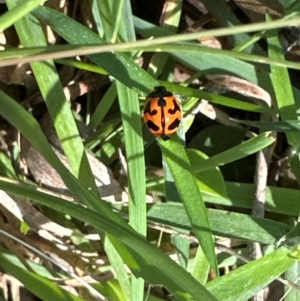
(174, 125)
(147, 109)
(152, 126)
(165, 137)
(160, 92)
(176, 107)
(162, 103)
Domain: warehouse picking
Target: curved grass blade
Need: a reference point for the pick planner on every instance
(190, 195)
(122, 30)
(282, 86)
(43, 288)
(284, 96)
(18, 12)
(223, 223)
(247, 280)
(240, 195)
(117, 65)
(209, 180)
(242, 150)
(31, 34)
(279, 126)
(141, 257)
(132, 127)
(218, 99)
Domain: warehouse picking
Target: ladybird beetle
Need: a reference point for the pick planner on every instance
(162, 112)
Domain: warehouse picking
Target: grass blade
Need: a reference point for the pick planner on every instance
(238, 286)
(141, 257)
(18, 12)
(117, 65)
(189, 192)
(31, 34)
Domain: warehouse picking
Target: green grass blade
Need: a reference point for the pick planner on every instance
(215, 191)
(31, 54)
(31, 34)
(104, 106)
(282, 85)
(238, 285)
(279, 126)
(118, 265)
(200, 267)
(43, 288)
(218, 99)
(18, 12)
(210, 179)
(284, 96)
(189, 192)
(141, 257)
(119, 65)
(223, 223)
(241, 195)
(132, 127)
(123, 30)
(81, 65)
(242, 150)
(292, 275)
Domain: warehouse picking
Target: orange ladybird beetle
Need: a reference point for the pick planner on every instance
(162, 112)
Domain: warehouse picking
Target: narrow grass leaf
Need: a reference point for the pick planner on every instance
(31, 34)
(103, 106)
(119, 65)
(141, 257)
(118, 265)
(284, 96)
(41, 287)
(18, 12)
(6, 166)
(292, 275)
(218, 99)
(242, 150)
(247, 280)
(223, 223)
(134, 147)
(278, 199)
(282, 85)
(279, 126)
(190, 194)
(200, 266)
(132, 128)
(81, 65)
(209, 180)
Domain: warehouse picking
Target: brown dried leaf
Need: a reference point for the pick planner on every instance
(223, 83)
(256, 10)
(23, 210)
(43, 173)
